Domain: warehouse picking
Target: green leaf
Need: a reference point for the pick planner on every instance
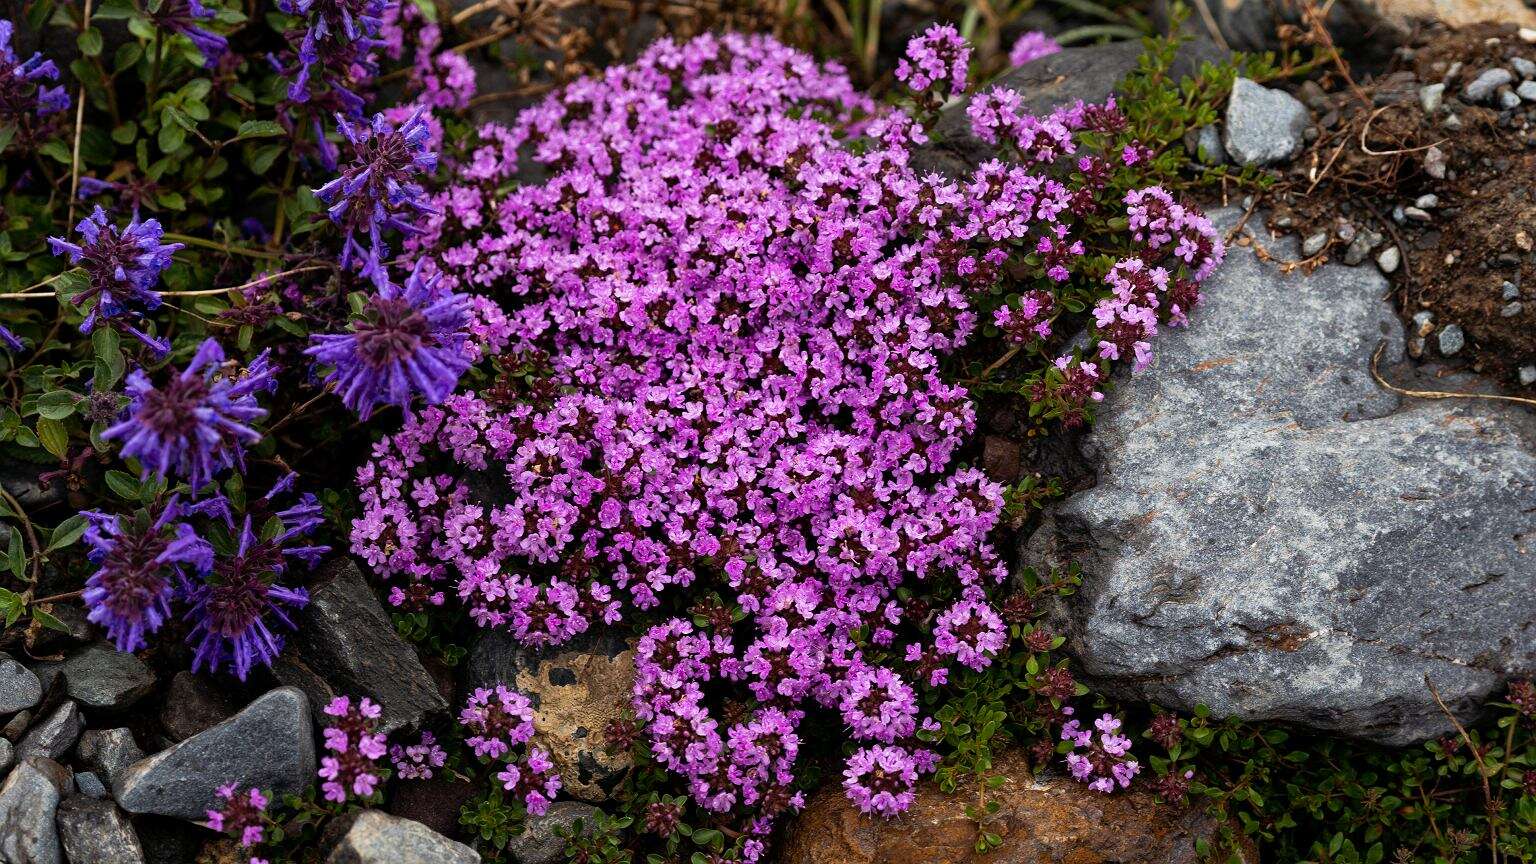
(57, 404)
(67, 533)
(47, 620)
(261, 158)
(110, 364)
(123, 484)
(124, 133)
(16, 554)
(259, 129)
(89, 42)
(53, 435)
(171, 137)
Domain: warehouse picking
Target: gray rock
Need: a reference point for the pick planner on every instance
(19, 687)
(103, 678)
(1509, 291)
(1358, 250)
(378, 838)
(109, 752)
(1417, 214)
(577, 690)
(96, 832)
(1527, 91)
(345, 643)
(1486, 85)
(7, 752)
(29, 800)
(1389, 259)
(89, 784)
(539, 844)
(1512, 309)
(270, 745)
(1314, 244)
(192, 705)
(1509, 99)
(1427, 202)
(1269, 532)
(1208, 146)
(1452, 340)
(1263, 126)
(1431, 97)
(54, 736)
(1528, 375)
(1523, 67)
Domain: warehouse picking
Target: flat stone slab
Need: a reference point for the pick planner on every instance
(1276, 537)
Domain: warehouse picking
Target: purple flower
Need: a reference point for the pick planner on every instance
(122, 266)
(535, 781)
(379, 191)
(879, 780)
(26, 104)
(417, 761)
(184, 17)
(231, 609)
(878, 705)
(936, 58)
(1032, 46)
(130, 592)
(408, 341)
(197, 423)
(334, 42)
(10, 341)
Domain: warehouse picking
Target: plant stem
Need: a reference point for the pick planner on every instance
(74, 162)
(226, 248)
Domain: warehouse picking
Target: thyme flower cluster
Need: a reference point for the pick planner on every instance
(743, 322)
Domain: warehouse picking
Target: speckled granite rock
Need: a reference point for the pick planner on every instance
(378, 838)
(1275, 536)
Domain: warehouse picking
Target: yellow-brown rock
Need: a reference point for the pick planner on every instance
(1044, 820)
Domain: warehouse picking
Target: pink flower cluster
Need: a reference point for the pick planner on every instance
(418, 761)
(1102, 760)
(1032, 46)
(937, 60)
(497, 719)
(743, 322)
(351, 767)
(241, 815)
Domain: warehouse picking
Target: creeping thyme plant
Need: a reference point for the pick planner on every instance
(690, 349)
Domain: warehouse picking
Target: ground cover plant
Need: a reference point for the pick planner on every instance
(688, 349)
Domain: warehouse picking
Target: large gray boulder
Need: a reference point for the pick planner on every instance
(270, 744)
(379, 838)
(29, 800)
(1276, 537)
(345, 644)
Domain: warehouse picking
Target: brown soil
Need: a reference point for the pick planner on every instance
(1479, 236)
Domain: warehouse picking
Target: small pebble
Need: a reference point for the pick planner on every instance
(1451, 122)
(1510, 291)
(1431, 97)
(1416, 347)
(1510, 310)
(1389, 259)
(1434, 162)
(1416, 214)
(1451, 73)
(1508, 100)
(1528, 34)
(1484, 86)
(1526, 68)
(1425, 322)
(1452, 340)
(1346, 231)
(1527, 91)
(1314, 244)
(1398, 215)
(1427, 202)
(1528, 375)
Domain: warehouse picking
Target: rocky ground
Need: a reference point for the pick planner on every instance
(1317, 547)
